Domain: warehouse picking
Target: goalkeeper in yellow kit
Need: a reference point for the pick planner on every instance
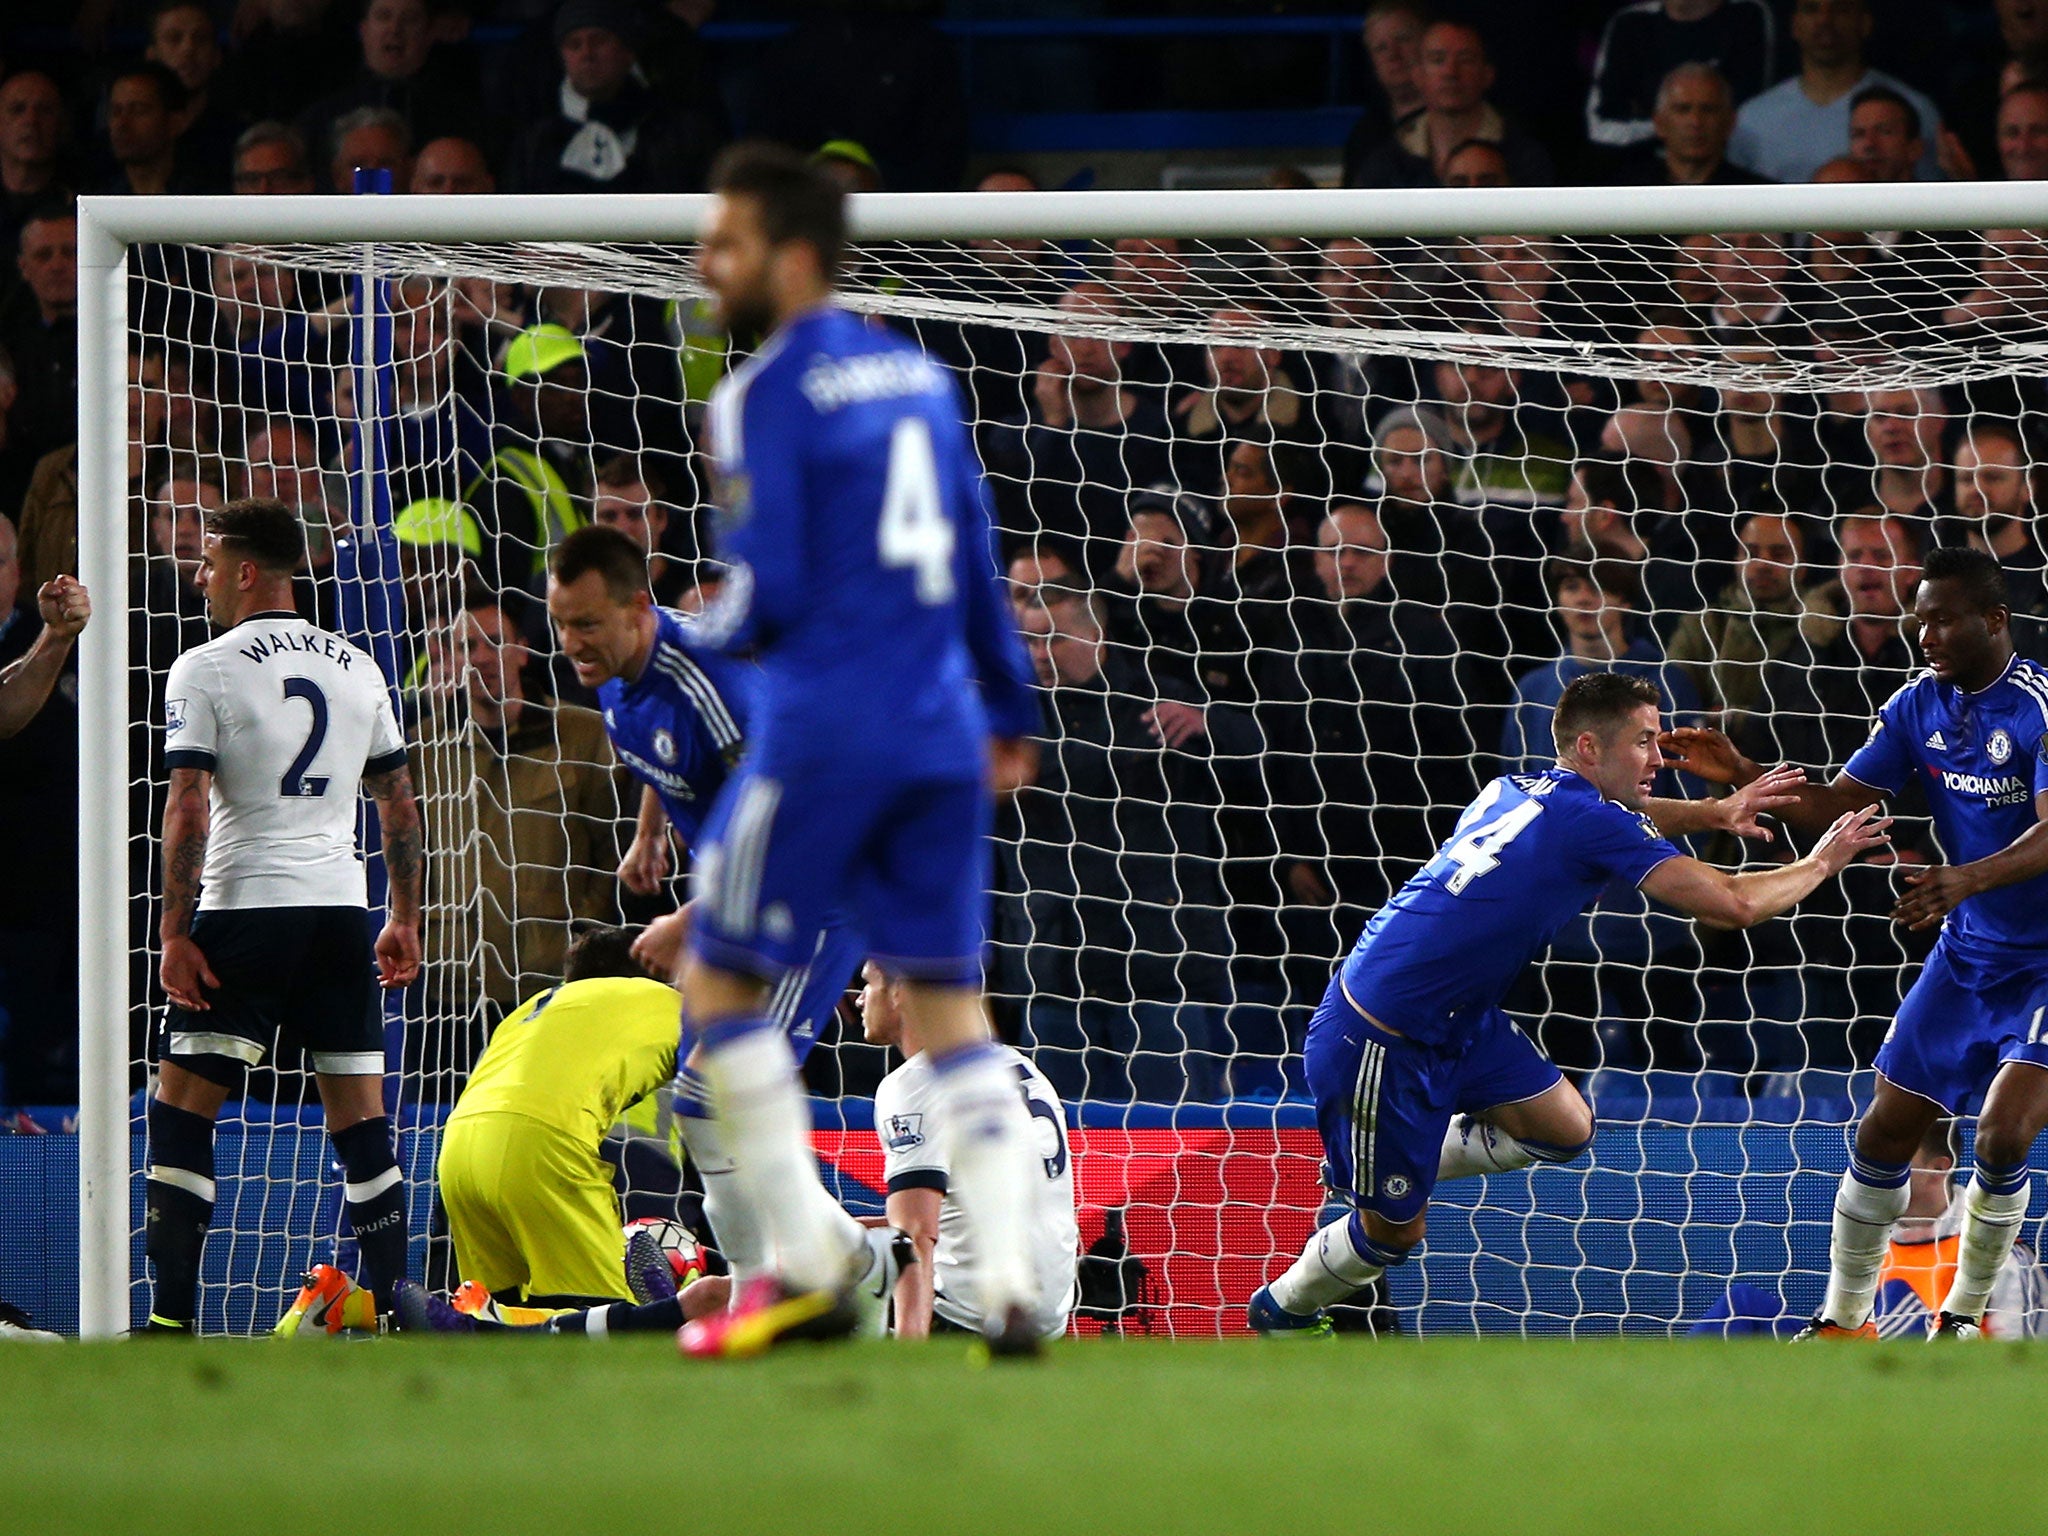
(530, 1202)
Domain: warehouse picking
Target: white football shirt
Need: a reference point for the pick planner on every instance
(914, 1156)
(288, 719)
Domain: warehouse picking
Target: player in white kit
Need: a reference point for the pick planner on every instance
(270, 732)
(938, 1291)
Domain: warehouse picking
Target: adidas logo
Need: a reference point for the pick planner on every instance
(1937, 743)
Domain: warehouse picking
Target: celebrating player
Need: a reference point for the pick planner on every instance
(1974, 729)
(1411, 1033)
(911, 1126)
(270, 730)
(853, 517)
(678, 717)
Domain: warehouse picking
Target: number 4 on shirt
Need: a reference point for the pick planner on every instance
(915, 530)
(1478, 851)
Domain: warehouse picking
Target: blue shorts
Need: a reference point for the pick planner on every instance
(904, 862)
(1961, 1022)
(1384, 1102)
(805, 998)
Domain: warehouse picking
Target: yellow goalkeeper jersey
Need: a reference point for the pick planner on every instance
(576, 1055)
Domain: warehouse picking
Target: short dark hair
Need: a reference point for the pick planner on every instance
(614, 556)
(163, 8)
(267, 532)
(1886, 94)
(797, 200)
(56, 208)
(1975, 571)
(1599, 702)
(1991, 426)
(170, 90)
(630, 469)
(602, 950)
(1628, 485)
(1617, 578)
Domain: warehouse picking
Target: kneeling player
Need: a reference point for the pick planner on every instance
(1410, 1035)
(909, 1118)
(531, 1208)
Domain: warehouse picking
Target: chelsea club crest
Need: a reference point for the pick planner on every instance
(665, 748)
(1999, 748)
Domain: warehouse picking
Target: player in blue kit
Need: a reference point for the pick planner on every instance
(1974, 729)
(1417, 1072)
(678, 715)
(895, 695)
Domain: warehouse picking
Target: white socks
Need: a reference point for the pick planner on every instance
(987, 1131)
(1472, 1147)
(1864, 1214)
(1329, 1269)
(733, 1224)
(1990, 1221)
(763, 1126)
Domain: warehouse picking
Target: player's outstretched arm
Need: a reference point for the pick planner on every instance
(1811, 807)
(1722, 900)
(188, 818)
(1736, 813)
(26, 683)
(647, 862)
(1935, 892)
(398, 817)
(915, 1212)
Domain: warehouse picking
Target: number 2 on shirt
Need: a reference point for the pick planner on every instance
(1478, 851)
(295, 783)
(914, 530)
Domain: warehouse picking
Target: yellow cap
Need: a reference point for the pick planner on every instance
(436, 520)
(845, 149)
(541, 349)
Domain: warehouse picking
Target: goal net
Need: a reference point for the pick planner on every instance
(1309, 506)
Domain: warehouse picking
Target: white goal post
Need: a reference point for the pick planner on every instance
(556, 229)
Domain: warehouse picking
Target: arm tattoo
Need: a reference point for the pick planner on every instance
(398, 813)
(186, 823)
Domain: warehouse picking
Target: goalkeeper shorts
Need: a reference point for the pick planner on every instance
(531, 1210)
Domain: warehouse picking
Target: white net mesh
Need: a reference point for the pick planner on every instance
(1305, 537)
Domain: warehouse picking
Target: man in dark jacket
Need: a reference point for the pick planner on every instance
(1113, 920)
(1385, 712)
(611, 132)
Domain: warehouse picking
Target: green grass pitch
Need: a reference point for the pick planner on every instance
(504, 1437)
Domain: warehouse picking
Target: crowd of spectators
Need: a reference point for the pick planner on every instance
(1290, 607)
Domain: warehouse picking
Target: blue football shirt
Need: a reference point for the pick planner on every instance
(1528, 856)
(853, 514)
(681, 725)
(1981, 756)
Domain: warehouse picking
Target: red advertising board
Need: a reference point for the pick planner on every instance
(1210, 1213)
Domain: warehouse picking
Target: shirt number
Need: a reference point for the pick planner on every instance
(1478, 851)
(295, 785)
(915, 532)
